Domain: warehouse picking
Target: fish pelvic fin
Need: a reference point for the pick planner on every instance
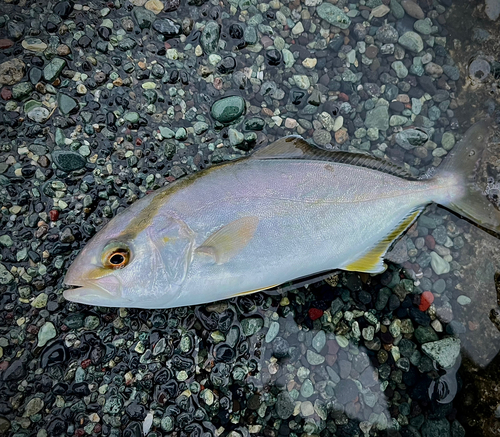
(373, 260)
(229, 240)
(465, 164)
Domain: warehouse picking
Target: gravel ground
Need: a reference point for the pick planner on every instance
(102, 102)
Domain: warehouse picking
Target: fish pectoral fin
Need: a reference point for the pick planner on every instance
(373, 260)
(229, 240)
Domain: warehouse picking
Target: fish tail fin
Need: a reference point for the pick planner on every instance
(463, 162)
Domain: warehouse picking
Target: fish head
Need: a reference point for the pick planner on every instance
(140, 269)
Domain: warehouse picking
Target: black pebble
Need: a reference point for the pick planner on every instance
(273, 57)
(63, 9)
(235, 31)
(227, 65)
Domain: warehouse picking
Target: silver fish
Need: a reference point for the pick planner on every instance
(288, 211)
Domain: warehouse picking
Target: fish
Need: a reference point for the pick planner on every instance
(289, 210)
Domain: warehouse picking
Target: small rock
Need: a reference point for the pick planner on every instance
(66, 103)
(444, 351)
(228, 109)
(68, 161)
(378, 117)
(154, 6)
(47, 332)
(5, 276)
(411, 41)
(12, 71)
(284, 405)
(210, 37)
(302, 81)
(333, 15)
(439, 265)
(33, 407)
(413, 9)
(314, 359)
(53, 69)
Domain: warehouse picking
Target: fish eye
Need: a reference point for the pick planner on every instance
(116, 256)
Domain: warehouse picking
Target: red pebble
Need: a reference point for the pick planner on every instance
(343, 97)
(6, 43)
(138, 142)
(54, 215)
(6, 93)
(85, 363)
(426, 298)
(170, 179)
(315, 313)
(79, 432)
(430, 242)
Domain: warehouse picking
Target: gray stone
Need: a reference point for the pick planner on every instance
(235, 137)
(387, 34)
(400, 69)
(127, 44)
(33, 407)
(492, 9)
(397, 10)
(307, 389)
(333, 15)
(378, 117)
(68, 161)
(322, 137)
(200, 127)
(439, 265)
(21, 90)
(411, 41)
(444, 352)
(66, 103)
(12, 71)
(5, 276)
(410, 138)
(209, 40)
(314, 359)
(143, 17)
(423, 26)
(436, 428)
(251, 325)
(53, 69)
(284, 405)
(47, 332)
(168, 28)
(319, 341)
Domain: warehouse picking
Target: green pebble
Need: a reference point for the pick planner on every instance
(251, 325)
(40, 301)
(307, 389)
(6, 241)
(314, 359)
(47, 332)
(228, 109)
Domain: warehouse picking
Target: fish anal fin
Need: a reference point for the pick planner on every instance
(229, 240)
(373, 260)
(244, 293)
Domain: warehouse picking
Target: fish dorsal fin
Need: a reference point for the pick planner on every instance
(229, 240)
(373, 260)
(295, 147)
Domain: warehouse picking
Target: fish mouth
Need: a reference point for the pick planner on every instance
(91, 293)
